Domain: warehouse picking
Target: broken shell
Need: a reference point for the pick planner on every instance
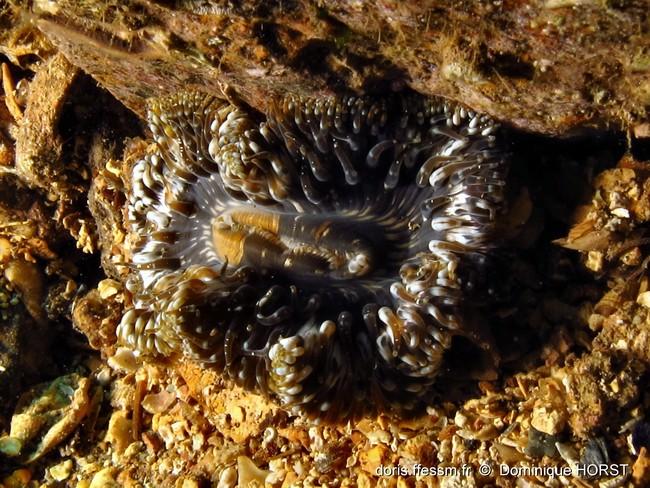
(51, 411)
(548, 420)
(61, 471)
(104, 479)
(119, 431)
(158, 402)
(249, 472)
(644, 299)
(228, 478)
(108, 287)
(28, 280)
(541, 444)
(124, 359)
(10, 446)
(641, 468)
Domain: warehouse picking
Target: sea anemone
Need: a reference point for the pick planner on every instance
(324, 253)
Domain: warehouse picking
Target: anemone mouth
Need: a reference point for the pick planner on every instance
(318, 255)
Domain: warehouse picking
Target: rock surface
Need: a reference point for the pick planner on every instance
(573, 387)
(549, 66)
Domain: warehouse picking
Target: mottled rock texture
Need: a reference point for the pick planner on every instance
(549, 66)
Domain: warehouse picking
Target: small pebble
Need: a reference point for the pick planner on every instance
(104, 479)
(61, 471)
(228, 478)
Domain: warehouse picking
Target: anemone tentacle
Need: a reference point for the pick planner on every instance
(318, 253)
